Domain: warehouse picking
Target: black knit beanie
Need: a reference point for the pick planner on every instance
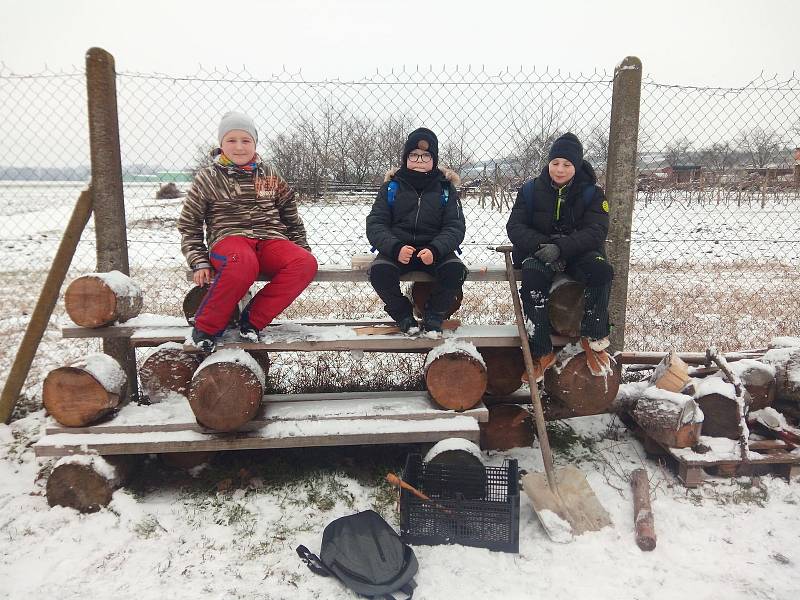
(425, 140)
(567, 146)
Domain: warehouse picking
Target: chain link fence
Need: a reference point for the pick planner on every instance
(714, 255)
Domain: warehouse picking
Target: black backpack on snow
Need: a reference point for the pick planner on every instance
(365, 554)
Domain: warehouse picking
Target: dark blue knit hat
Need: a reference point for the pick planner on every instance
(567, 146)
(422, 139)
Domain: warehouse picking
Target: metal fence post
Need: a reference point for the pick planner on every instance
(621, 185)
(109, 202)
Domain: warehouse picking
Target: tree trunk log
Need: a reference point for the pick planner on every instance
(565, 306)
(226, 390)
(509, 426)
(787, 372)
(570, 382)
(453, 466)
(168, 369)
(262, 358)
(194, 298)
(669, 418)
(723, 413)
(86, 483)
(642, 511)
(759, 380)
(99, 299)
(671, 374)
(455, 379)
(421, 291)
(504, 369)
(84, 392)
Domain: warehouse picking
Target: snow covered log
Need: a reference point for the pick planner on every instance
(509, 426)
(99, 299)
(421, 291)
(758, 379)
(455, 375)
(194, 298)
(226, 390)
(669, 418)
(504, 369)
(723, 412)
(571, 383)
(85, 391)
(86, 483)
(671, 374)
(642, 511)
(168, 369)
(262, 358)
(565, 306)
(786, 360)
(455, 466)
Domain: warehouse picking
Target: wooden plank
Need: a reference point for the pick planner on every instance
(274, 435)
(177, 415)
(328, 273)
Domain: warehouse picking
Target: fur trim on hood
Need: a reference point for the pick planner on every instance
(449, 174)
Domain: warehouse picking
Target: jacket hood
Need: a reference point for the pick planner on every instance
(448, 174)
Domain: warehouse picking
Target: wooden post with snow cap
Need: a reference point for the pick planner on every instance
(621, 185)
(226, 390)
(108, 198)
(455, 375)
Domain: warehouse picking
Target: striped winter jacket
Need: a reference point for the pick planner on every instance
(234, 202)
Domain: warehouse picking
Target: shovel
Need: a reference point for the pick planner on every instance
(562, 499)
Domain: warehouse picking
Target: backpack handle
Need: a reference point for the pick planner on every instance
(312, 561)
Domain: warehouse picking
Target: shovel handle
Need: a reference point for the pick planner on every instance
(397, 482)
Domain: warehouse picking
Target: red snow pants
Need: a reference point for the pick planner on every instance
(238, 261)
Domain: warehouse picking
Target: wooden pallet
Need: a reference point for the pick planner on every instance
(724, 460)
(284, 421)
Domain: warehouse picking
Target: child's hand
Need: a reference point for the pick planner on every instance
(202, 277)
(426, 256)
(406, 252)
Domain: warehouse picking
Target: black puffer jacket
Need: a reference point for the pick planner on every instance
(417, 220)
(575, 226)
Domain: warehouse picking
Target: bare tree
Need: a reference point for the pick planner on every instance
(718, 157)
(597, 147)
(202, 157)
(456, 153)
(678, 152)
(532, 140)
(759, 145)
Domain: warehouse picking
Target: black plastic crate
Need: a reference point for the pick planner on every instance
(473, 506)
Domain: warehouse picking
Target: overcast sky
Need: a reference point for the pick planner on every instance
(696, 42)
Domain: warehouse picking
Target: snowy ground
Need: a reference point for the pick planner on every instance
(169, 534)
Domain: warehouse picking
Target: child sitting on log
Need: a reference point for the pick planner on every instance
(417, 224)
(559, 223)
(252, 227)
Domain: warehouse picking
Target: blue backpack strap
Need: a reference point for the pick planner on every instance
(391, 193)
(445, 195)
(588, 195)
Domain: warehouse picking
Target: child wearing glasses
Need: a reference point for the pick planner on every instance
(559, 222)
(252, 226)
(416, 224)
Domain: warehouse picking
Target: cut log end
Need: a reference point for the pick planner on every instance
(565, 307)
(571, 383)
(456, 380)
(224, 396)
(504, 369)
(86, 486)
(509, 426)
(91, 302)
(421, 291)
(192, 300)
(74, 398)
(168, 370)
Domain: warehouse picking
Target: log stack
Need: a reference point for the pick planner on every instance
(85, 391)
(99, 299)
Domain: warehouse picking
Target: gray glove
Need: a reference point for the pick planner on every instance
(547, 253)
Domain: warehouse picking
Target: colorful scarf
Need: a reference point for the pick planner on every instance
(248, 168)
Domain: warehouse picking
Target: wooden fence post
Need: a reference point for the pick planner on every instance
(109, 202)
(621, 185)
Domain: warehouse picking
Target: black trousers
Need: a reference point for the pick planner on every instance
(591, 269)
(449, 274)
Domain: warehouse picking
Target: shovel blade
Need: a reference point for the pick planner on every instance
(569, 510)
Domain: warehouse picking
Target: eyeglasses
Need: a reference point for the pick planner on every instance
(419, 156)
